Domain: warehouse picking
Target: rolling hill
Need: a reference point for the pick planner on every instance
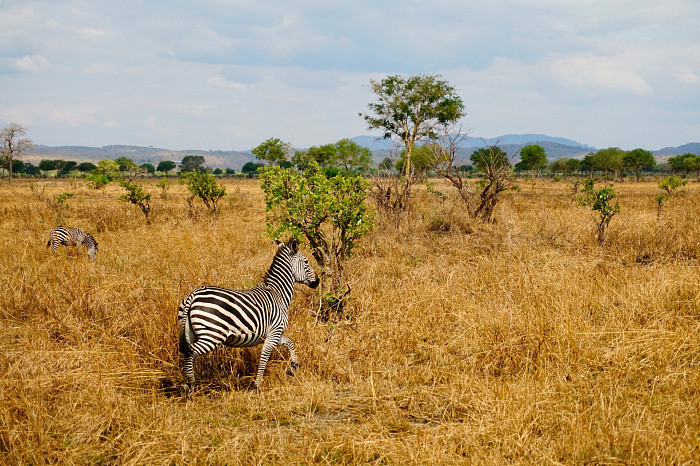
(556, 147)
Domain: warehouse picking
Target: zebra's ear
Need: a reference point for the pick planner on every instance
(293, 245)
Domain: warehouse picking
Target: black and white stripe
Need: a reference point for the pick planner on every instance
(210, 316)
(72, 237)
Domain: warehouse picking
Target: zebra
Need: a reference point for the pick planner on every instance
(211, 316)
(72, 237)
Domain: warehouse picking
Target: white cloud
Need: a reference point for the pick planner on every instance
(593, 74)
(29, 63)
(688, 78)
(76, 116)
(218, 81)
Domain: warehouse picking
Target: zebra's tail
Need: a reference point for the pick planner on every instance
(187, 336)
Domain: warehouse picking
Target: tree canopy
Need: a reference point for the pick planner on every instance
(490, 157)
(164, 166)
(192, 163)
(411, 108)
(272, 150)
(608, 160)
(351, 156)
(637, 160)
(685, 163)
(251, 168)
(533, 158)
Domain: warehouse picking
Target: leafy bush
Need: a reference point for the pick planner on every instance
(61, 206)
(136, 196)
(330, 212)
(602, 210)
(164, 185)
(205, 187)
(669, 186)
(97, 180)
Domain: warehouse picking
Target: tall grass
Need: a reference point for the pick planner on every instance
(521, 341)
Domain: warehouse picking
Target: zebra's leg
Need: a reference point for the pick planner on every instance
(289, 344)
(198, 348)
(271, 342)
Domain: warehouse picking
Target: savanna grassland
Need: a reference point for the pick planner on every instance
(520, 341)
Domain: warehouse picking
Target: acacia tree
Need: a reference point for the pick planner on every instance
(352, 156)
(609, 160)
(408, 110)
(273, 151)
(637, 160)
(192, 163)
(164, 166)
(532, 157)
(13, 144)
(323, 155)
(687, 163)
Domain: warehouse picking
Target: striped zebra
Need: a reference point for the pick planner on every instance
(210, 316)
(72, 237)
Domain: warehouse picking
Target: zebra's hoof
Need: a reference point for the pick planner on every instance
(292, 369)
(184, 390)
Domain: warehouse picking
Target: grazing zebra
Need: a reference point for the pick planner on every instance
(72, 237)
(210, 316)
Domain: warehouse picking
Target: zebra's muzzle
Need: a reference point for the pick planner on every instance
(313, 284)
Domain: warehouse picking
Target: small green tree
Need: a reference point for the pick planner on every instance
(323, 155)
(351, 156)
(164, 185)
(86, 167)
(602, 210)
(148, 168)
(165, 166)
(47, 165)
(273, 151)
(532, 158)
(670, 187)
(685, 163)
(61, 206)
(423, 159)
(250, 169)
(97, 180)
(329, 212)
(192, 163)
(105, 172)
(126, 165)
(638, 160)
(135, 195)
(205, 187)
(609, 160)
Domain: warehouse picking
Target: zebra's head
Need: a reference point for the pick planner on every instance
(91, 245)
(301, 269)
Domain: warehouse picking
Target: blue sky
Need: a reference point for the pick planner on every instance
(220, 74)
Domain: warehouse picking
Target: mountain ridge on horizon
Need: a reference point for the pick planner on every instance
(556, 147)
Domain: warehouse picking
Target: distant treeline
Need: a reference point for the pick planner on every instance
(612, 161)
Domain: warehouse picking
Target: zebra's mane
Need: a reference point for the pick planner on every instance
(281, 258)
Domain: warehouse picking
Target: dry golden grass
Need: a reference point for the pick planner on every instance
(515, 342)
